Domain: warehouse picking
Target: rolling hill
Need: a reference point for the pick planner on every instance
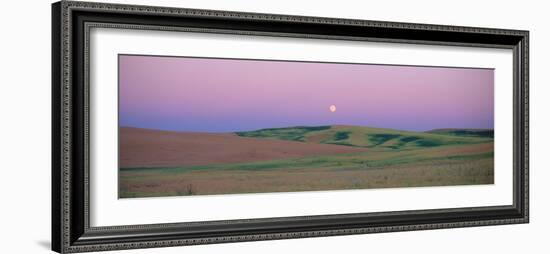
(484, 133)
(156, 148)
(368, 137)
(164, 163)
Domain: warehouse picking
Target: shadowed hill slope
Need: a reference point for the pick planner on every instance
(359, 136)
(482, 133)
(155, 148)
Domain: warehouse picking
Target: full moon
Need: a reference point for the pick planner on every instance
(332, 108)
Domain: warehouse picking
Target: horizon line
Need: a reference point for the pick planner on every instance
(305, 126)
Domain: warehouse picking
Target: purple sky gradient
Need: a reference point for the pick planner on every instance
(223, 95)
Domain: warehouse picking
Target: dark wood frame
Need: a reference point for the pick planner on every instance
(71, 22)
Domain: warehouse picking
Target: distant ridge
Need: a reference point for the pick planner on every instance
(156, 148)
(485, 133)
(361, 136)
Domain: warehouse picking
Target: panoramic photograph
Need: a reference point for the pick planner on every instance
(206, 126)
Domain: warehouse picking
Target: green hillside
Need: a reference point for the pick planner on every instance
(393, 158)
(292, 133)
(373, 137)
(483, 133)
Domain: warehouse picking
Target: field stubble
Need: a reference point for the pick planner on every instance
(442, 166)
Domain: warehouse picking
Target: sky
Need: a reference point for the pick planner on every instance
(226, 95)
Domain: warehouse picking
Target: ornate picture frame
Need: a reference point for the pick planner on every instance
(71, 196)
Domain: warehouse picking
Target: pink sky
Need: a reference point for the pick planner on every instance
(222, 95)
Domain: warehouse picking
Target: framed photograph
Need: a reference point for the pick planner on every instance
(182, 126)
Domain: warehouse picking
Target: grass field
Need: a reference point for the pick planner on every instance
(343, 157)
